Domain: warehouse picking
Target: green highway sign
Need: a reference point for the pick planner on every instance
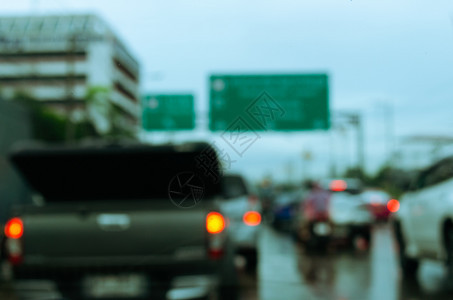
(269, 102)
(168, 112)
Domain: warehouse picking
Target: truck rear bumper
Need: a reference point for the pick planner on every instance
(167, 279)
(56, 270)
(180, 288)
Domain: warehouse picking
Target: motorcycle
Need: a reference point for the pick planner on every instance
(316, 232)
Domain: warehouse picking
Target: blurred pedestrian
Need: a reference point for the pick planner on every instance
(316, 204)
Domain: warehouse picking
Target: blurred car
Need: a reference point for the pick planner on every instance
(243, 210)
(423, 222)
(345, 217)
(350, 215)
(287, 209)
(378, 203)
(140, 221)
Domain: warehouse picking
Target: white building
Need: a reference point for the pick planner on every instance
(58, 59)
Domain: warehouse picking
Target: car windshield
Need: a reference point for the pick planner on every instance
(226, 149)
(234, 186)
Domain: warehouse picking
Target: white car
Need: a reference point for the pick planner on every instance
(379, 203)
(349, 213)
(243, 210)
(348, 219)
(423, 224)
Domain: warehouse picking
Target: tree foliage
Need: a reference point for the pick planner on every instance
(394, 181)
(49, 126)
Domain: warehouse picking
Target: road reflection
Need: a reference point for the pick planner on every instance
(431, 282)
(336, 276)
(287, 271)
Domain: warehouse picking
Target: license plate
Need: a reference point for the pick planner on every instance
(115, 286)
(322, 229)
(340, 231)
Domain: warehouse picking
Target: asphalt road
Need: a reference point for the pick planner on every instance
(285, 271)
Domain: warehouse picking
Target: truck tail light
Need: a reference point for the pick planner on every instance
(252, 218)
(215, 226)
(215, 223)
(14, 251)
(14, 230)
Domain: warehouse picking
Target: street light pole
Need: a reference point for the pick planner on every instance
(355, 119)
(333, 163)
(360, 144)
(388, 118)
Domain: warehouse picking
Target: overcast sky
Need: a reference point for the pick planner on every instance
(381, 56)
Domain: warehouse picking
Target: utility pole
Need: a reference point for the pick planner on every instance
(360, 142)
(388, 119)
(289, 172)
(333, 163)
(390, 115)
(355, 119)
(307, 157)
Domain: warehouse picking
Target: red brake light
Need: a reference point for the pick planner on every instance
(14, 228)
(215, 223)
(252, 218)
(338, 185)
(393, 205)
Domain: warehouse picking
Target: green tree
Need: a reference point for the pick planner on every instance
(49, 126)
(104, 115)
(357, 172)
(394, 181)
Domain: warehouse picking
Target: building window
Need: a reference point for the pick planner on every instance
(124, 70)
(37, 56)
(122, 90)
(42, 80)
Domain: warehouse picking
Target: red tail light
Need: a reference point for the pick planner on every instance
(252, 218)
(338, 185)
(14, 228)
(215, 223)
(393, 205)
(14, 251)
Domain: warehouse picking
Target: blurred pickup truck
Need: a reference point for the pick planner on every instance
(124, 220)
(423, 222)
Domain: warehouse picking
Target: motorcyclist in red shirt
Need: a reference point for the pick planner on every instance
(316, 204)
(315, 225)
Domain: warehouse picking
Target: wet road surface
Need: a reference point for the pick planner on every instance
(285, 271)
